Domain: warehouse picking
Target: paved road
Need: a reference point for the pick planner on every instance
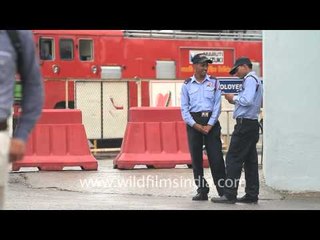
(141, 188)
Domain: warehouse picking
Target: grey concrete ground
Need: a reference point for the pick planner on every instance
(138, 189)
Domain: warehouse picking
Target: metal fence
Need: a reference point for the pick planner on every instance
(105, 108)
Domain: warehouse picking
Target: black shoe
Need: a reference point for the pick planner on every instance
(224, 199)
(247, 199)
(200, 197)
(220, 192)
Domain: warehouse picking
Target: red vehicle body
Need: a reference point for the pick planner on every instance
(82, 54)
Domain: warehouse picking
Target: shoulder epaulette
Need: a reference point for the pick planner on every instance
(257, 82)
(187, 80)
(252, 77)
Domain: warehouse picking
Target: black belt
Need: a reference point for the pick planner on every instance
(201, 114)
(243, 120)
(201, 117)
(3, 125)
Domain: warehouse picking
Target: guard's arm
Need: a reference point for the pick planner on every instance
(216, 111)
(246, 98)
(32, 87)
(186, 116)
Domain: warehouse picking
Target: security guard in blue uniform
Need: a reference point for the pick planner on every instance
(242, 150)
(201, 108)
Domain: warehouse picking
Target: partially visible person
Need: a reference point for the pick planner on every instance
(45, 49)
(242, 150)
(46, 56)
(17, 56)
(201, 108)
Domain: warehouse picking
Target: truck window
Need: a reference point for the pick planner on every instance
(46, 49)
(85, 50)
(66, 49)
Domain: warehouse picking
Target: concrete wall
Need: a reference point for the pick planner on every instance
(291, 63)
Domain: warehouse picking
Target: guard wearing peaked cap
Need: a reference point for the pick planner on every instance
(242, 150)
(200, 58)
(239, 62)
(200, 109)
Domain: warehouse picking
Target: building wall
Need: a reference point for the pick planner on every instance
(291, 110)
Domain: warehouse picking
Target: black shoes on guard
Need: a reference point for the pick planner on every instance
(200, 197)
(224, 199)
(247, 199)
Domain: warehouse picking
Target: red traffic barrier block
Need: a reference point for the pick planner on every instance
(54, 146)
(60, 116)
(155, 114)
(156, 144)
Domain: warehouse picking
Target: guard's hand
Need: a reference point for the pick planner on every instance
(229, 97)
(199, 127)
(207, 128)
(16, 150)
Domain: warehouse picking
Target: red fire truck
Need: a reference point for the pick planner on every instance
(135, 64)
(119, 55)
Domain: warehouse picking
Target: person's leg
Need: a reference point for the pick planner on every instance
(238, 150)
(4, 143)
(215, 157)
(195, 141)
(251, 165)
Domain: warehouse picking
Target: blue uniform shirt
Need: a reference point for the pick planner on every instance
(201, 97)
(32, 93)
(249, 99)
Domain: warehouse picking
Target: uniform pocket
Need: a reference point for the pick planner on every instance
(193, 94)
(209, 93)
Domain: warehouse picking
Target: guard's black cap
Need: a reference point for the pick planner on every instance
(239, 62)
(200, 58)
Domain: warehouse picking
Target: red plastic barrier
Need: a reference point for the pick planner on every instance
(60, 116)
(54, 146)
(161, 144)
(155, 114)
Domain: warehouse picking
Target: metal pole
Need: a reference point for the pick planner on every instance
(139, 97)
(67, 94)
(105, 150)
